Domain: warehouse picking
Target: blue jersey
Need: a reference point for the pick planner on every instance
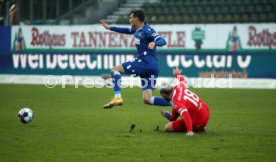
(143, 37)
(145, 65)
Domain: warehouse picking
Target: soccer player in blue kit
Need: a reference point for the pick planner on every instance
(145, 66)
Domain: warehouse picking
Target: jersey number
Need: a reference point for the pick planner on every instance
(193, 98)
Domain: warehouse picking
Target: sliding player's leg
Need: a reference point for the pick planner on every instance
(176, 126)
(116, 80)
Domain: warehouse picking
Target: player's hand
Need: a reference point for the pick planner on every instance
(151, 45)
(105, 25)
(166, 114)
(177, 71)
(191, 133)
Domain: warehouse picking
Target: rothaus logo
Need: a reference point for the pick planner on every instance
(262, 38)
(45, 38)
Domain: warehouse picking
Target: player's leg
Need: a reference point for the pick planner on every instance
(160, 101)
(119, 68)
(176, 126)
(147, 94)
(116, 80)
(154, 100)
(148, 85)
(148, 81)
(130, 67)
(168, 127)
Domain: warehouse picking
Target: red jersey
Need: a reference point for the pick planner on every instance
(188, 105)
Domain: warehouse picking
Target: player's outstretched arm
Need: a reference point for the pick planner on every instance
(180, 78)
(117, 29)
(105, 25)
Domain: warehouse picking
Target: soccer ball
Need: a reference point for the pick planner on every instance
(26, 115)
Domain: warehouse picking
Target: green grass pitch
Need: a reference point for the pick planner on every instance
(71, 125)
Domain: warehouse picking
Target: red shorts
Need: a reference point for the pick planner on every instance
(199, 121)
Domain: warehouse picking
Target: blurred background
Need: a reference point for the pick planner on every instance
(55, 58)
(69, 12)
(207, 38)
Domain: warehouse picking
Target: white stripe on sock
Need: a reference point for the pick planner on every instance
(116, 72)
(152, 100)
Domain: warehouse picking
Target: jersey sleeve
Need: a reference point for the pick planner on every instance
(122, 30)
(183, 111)
(152, 36)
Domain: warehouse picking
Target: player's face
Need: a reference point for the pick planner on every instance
(133, 20)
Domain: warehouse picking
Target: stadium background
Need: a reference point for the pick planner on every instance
(231, 40)
(227, 39)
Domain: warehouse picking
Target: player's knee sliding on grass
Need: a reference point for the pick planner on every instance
(145, 66)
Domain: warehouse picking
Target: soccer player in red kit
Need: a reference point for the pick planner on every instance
(194, 112)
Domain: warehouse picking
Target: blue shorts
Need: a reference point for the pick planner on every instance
(146, 67)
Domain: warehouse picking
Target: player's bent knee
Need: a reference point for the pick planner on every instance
(147, 101)
(115, 72)
(168, 127)
(114, 68)
(118, 68)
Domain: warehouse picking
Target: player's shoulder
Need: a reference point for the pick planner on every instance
(148, 29)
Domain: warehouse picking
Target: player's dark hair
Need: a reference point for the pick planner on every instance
(166, 90)
(138, 13)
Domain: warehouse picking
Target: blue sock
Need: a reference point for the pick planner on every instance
(160, 101)
(116, 83)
